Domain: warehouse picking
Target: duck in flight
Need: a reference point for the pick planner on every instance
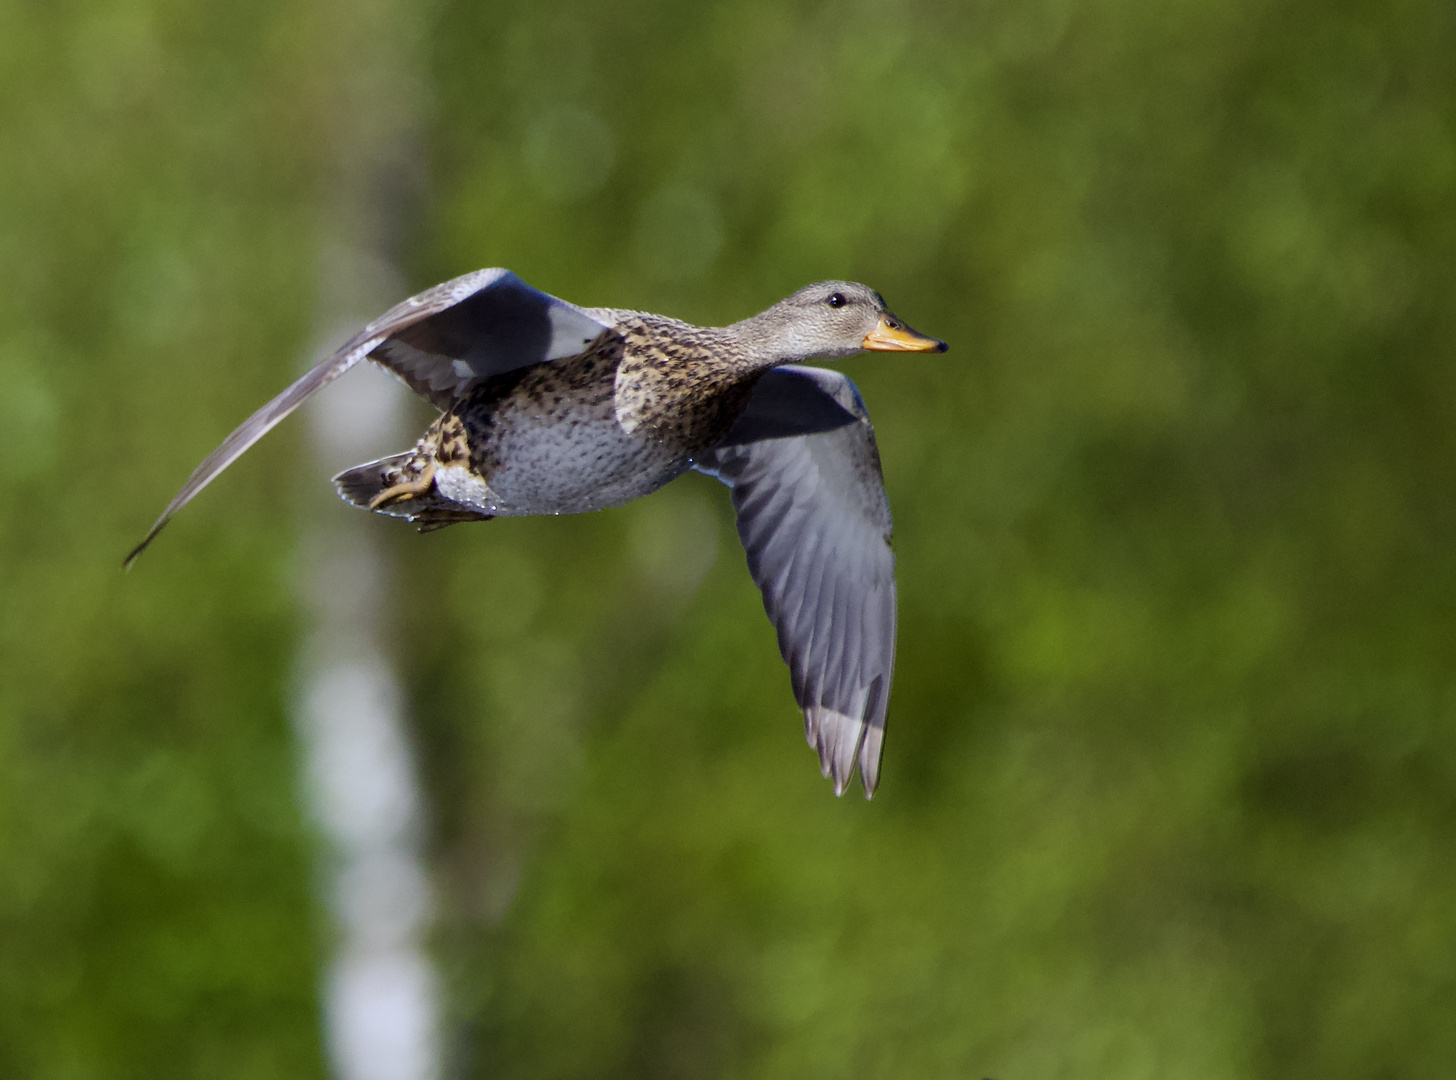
(550, 408)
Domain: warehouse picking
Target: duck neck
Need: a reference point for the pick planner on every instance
(767, 340)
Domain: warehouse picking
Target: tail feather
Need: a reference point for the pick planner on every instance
(361, 484)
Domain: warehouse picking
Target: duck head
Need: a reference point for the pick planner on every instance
(833, 319)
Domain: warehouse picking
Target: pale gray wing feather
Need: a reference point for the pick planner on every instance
(498, 326)
(814, 520)
(440, 342)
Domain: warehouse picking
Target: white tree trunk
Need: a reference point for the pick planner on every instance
(380, 993)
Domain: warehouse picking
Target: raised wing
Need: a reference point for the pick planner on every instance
(440, 343)
(491, 322)
(813, 517)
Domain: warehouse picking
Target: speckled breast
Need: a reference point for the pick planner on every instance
(584, 433)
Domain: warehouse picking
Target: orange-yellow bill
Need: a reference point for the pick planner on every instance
(891, 335)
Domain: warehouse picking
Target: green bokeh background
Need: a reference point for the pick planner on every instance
(1170, 781)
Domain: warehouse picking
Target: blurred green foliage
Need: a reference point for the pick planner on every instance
(1170, 781)
(156, 916)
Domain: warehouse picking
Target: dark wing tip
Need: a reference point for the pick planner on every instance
(151, 535)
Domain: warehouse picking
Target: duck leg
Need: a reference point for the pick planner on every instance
(415, 488)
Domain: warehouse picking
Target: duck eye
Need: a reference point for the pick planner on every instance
(837, 300)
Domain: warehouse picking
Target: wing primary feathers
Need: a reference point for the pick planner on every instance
(874, 739)
(256, 426)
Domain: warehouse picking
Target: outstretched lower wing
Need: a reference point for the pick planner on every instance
(440, 343)
(814, 520)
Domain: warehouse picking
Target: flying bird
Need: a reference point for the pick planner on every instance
(550, 408)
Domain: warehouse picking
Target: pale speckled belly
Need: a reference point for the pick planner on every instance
(551, 465)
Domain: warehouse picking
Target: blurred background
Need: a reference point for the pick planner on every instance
(1169, 787)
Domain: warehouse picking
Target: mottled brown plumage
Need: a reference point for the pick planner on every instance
(674, 389)
(547, 408)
